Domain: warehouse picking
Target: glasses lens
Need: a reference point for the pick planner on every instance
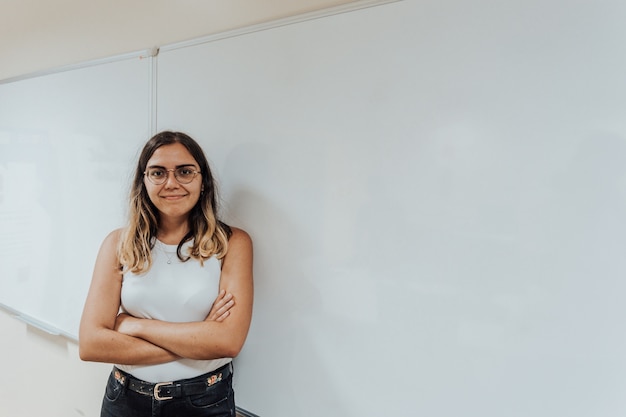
(185, 175)
(157, 175)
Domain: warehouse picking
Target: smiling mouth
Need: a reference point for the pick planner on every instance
(173, 197)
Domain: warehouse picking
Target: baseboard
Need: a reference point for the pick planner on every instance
(243, 413)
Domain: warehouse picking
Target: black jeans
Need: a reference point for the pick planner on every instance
(217, 400)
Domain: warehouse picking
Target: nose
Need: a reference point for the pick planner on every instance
(170, 181)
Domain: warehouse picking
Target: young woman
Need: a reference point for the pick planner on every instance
(170, 301)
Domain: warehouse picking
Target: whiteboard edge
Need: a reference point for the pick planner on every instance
(317, 14)
(145, 53)
(153, 93)
(38, 324)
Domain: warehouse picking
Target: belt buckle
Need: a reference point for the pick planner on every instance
(156, 394)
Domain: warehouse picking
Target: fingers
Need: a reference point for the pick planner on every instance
(222, 299)
(223, 316)
(222, 312)
(221, 306)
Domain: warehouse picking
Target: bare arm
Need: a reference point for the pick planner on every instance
(98, 339)
(209, 339)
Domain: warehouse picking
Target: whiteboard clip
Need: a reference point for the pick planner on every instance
(152, 52)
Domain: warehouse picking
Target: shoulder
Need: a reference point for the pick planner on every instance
(112, 241)
(108, 254)
(239, 235)
(239, 244)
(237, 263)
(114, 236)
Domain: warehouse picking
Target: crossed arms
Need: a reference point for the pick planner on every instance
(106, 336)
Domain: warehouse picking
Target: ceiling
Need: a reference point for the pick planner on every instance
(41, 34)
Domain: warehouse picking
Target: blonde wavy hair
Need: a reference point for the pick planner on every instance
(209, 234)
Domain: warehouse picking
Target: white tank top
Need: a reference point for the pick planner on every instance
(173, 291)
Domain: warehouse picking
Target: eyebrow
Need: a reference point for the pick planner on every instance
(177, 166)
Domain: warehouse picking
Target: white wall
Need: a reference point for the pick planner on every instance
(40, 35)
(42, 375)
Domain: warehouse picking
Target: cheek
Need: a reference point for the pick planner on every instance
(196, 196)
(151, 192)
(196, 190)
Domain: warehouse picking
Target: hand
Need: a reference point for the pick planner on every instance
(124, 323)
(221, 307)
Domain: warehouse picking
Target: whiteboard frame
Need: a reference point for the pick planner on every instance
(318, 14)
(142, 54)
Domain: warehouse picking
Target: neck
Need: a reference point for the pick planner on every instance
(172, 232)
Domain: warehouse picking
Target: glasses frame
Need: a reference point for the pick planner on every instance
(173, 170)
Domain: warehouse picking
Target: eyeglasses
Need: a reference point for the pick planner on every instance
(158, 176)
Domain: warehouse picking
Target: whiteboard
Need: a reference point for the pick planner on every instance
(436, 193)
(68, 141)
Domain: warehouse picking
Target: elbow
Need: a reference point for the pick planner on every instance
(232, 346)
(85, 352)
(85, 357)
(89, 349)
(226, 349)
(231, 351)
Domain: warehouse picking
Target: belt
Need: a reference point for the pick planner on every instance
(176, 389)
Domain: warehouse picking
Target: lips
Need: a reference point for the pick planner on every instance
(173, 197)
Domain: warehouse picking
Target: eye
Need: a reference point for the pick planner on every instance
(186, 171)
(156, 172)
